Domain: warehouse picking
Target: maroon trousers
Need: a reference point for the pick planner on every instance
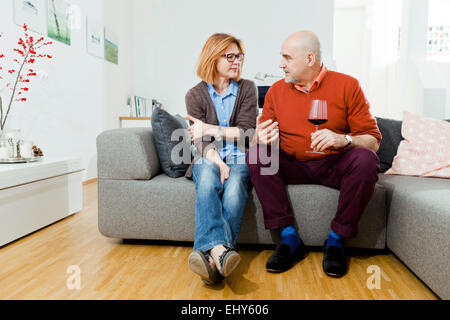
(354, 173)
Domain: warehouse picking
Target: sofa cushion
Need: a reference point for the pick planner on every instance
(164, 209)
(426, 149)
(419, 226)
(391, 130)
(164, 125)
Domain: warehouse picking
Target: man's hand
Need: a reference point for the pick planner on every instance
(199, 129)
(326, 139)
(266, 132)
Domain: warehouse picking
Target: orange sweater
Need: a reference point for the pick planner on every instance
(348, 112)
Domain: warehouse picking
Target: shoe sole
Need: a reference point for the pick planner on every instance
(197, 264)
(334, 275)
(232, 261)
(276, 271)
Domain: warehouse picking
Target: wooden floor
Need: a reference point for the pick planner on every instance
(36, 267)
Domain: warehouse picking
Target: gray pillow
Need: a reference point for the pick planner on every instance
(187, 137)
(391, 130)
(181, 120)
(163, 125)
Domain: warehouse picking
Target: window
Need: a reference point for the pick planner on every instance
(438, 40)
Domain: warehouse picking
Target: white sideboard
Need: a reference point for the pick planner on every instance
(34, 195)
(134, 122)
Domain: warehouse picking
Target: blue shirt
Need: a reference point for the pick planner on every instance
(224, 106)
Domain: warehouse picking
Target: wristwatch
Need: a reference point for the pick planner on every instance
(218, 136)
(349, 140)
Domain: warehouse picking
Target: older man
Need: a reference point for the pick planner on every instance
(345, 145)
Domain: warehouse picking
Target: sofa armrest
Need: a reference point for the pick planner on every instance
(127, 154)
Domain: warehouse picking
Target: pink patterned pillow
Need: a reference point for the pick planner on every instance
(425, 151)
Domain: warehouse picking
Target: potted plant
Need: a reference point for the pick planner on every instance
(17, 78)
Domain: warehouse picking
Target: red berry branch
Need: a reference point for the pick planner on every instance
(28, 54)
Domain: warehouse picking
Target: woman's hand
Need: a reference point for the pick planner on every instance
(224, 172)
(199, 129)
(213, 156)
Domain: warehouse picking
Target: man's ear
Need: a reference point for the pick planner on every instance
(310, 59)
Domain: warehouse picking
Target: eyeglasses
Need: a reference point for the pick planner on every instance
(231, 57)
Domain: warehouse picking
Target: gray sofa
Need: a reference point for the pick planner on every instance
(408, 215)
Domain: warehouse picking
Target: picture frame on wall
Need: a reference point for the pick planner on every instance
(111, 46)
(31, 12)
(58, 21)
(95, 38)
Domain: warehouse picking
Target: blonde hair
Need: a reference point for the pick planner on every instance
(212, 51)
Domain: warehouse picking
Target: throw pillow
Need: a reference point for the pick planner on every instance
(391, 130)
(186, 133)
(174, 152)
(425, 151)
(182, 121)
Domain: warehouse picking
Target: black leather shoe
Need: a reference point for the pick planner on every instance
(334, 261)
(282, 260)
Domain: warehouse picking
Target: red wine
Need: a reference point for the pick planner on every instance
(318, 122)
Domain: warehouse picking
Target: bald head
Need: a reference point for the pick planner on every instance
(305, 42)
(301, 59)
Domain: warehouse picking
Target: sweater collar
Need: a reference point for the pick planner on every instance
(317, 81)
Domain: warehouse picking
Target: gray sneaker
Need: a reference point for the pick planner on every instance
(228, 261)
(199, 264)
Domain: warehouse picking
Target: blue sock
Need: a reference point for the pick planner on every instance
(290, 237)
(335, 240)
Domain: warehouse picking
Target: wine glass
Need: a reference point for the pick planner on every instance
(318, 115)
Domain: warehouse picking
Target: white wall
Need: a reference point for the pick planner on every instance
(365, 44)
(393, 83)
(83, 95)
(351, 47)
(171, 33)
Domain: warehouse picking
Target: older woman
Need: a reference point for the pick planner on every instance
(222, 109)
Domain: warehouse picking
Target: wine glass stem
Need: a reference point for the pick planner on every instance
(317, 128)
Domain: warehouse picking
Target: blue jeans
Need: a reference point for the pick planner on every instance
(219, 208)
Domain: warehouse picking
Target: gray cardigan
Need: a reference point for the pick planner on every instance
(200, 106)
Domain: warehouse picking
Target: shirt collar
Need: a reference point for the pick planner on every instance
(232, 89)
(316, 83)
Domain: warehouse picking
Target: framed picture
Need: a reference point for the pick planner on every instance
(95, 38)
(31, 12)
(58, 20)
(111, 46)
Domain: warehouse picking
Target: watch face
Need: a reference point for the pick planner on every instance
(349, 139)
